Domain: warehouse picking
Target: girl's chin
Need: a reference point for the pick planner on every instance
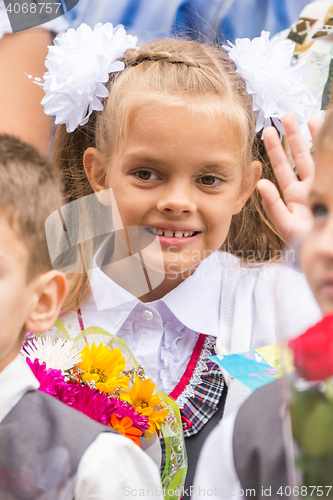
(326, 306)
(173, 271)
(169, 267)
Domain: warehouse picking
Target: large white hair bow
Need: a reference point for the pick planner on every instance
(78, 65)
(273, 78)
(80, 61)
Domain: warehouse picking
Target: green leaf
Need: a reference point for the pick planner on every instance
(316, 471)
(301, 406)
(316, 436)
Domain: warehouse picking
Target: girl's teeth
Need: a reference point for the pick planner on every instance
(169, 233)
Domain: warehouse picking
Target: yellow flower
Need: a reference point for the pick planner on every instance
(103, 366)
(144, 401)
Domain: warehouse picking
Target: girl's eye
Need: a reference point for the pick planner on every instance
(209, 180)
(146, 175)
(319, 211)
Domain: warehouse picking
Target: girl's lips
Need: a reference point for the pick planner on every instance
(173, 240)
(326, 287)
(172, 227)
(177, 242)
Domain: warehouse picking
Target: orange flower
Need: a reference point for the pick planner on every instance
(145, 402)
(125, 427)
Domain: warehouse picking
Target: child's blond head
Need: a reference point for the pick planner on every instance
(30, 190)
(317, 248)
(175, 73)
(168, 72)
(171, 73)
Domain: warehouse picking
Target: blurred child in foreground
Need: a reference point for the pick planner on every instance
(246, 452)
(46, 448)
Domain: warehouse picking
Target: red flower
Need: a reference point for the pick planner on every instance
(313, 351)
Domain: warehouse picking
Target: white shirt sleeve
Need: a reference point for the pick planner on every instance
(113, 467)
(216, 470)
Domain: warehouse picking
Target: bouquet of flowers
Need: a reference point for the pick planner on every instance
(312, 406)
(95, 382)
(102, 379)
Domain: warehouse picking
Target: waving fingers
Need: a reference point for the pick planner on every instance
(279, 161)
(314, 125)
(274, 206)
(299, 150)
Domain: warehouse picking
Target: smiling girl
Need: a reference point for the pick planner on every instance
(175, 145)
(179, 173)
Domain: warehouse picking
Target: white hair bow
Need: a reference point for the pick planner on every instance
(80, 61)
(78, 65)
(273, 78)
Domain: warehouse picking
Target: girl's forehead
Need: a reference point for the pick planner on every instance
(188, 147)
(190, 124)
(323, 180)
(175, 123)
(187, 106)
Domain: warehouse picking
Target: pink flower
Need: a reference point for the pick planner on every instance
(66, 393)
(93, 403)
(47, 378)
(125, 410)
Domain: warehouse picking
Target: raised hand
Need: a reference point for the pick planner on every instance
(291, 218)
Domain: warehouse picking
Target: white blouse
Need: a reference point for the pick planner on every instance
(161, 334)
(238, 305)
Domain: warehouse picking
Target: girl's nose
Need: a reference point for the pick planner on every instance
(177, 200)
(325, 241)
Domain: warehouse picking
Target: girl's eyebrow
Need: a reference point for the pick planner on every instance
(315, 195)
(225, 163)
(143, 158)
(218, 166)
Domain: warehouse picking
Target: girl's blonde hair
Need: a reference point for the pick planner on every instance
(171, 72)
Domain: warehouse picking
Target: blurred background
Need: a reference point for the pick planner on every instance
(24, 52)
(223, 19)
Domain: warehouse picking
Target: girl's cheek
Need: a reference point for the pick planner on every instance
(306, 255)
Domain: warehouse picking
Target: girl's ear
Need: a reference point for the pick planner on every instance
(49, 291)
(95, 171)
(255, 170)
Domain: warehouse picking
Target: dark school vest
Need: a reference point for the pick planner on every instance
(41, 443)
(258, 449)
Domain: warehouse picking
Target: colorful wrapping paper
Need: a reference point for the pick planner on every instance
(253, 368)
